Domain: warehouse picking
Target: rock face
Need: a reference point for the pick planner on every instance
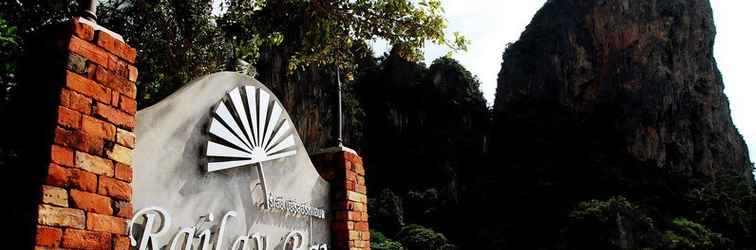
(604, 97)
(309, 96)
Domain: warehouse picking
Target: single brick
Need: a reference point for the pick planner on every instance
(117, 117)
(133, 73)
(71, 178)
(356, 206)
(106, 223)
(123, 172)
(125, 138)
(360, 189)
(98, 128)
(118, 67)
(349, 185)
(94, 164)
(54, 196)
(87, 87)
(62, 155)
(60, 216)
(128, 105)
(358, 168)
(129, 54)
(116, 83)
(106, 41)
(354, 235)
(120, 154)
(79, 140)
(351, 176)
(57, 176)
(88, 50)
(91, 202)
(68, 118)
(361, 226)
(359, 244)
(114, 188)
(48, 236)
(83, 180)
(83, 239)
(358, 197)
(115, 46)
(354, 216)
(75, 101)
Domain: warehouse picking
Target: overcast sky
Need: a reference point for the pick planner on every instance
(491, 24)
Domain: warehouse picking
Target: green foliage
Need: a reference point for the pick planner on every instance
(7, 34)
(378, 241)
(387, 212)
(416, 237)
(176, 41)
(8, 47)
(325, 32)
(686, 235)
(422, 204)
(615, 223)
(18, 19)
(726, 204)
(726, 199)
(602, 211)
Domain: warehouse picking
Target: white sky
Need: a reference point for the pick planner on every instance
(491, 24)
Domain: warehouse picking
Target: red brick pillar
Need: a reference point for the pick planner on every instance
(343, 169)
(86, 196)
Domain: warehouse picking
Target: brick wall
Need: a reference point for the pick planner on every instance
(86, 195)
(343, 169)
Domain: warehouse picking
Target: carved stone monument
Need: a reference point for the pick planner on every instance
(221, 162)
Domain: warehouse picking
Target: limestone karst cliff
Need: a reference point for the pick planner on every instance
(615, 97)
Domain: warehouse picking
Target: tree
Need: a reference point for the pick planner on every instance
(176, 41)
(181, 40)
(324, 32)
(685, 234)
(417, 237)
(18, 19)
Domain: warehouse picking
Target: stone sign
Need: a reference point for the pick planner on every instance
(219, 165)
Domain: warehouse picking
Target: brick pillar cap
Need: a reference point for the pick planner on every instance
(336, 149)
(96, 27)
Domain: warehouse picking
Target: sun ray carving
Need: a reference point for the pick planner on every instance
(248, 127)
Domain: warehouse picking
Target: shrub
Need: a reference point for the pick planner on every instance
(386, 212)
(416, 237)
(615, 223)
(686, 234)
(378, 241)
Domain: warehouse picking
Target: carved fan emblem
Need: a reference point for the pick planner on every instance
(247, 127)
